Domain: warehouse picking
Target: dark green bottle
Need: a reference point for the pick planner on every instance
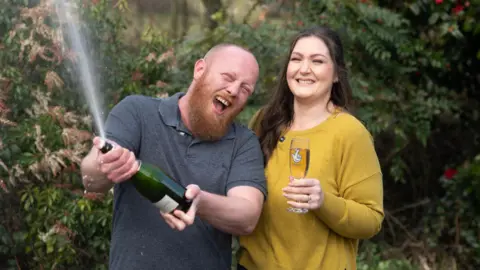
(158, 187)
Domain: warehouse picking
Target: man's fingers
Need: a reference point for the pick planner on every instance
(126, 170)
(117, 158)
(179, 220)
(174, 220)
(117, 166)
(179, 224)
(185, 218)
(192, 191)
(128, 174)
(192, 211)
(167, 220)
(98, 142)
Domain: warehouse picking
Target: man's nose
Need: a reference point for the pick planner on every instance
(233, 89)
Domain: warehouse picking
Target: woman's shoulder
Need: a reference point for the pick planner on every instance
(349, 126)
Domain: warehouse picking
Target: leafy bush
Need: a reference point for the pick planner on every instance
(45, 133)
(373, 257)
(454, 223)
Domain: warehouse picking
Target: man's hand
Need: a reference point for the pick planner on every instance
(180, 220)
(118, 165)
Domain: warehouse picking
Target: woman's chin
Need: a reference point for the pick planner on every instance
(309, 97)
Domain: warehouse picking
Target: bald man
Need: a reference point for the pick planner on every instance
(192, 137)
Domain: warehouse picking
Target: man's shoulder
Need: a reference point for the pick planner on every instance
(136, 100)
(243, 132)
(139, 105)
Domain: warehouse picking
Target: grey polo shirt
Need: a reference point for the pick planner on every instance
(153, 130)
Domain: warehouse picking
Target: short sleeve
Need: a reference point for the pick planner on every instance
(123, 124)
(247, 166)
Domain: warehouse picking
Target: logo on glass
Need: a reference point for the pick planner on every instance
(296, 156)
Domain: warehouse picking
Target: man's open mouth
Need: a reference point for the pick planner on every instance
(220, 104)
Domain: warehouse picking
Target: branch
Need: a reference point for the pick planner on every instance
(395, 220)
(250, 11)
(412, 205)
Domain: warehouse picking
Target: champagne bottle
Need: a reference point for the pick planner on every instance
(158, 187)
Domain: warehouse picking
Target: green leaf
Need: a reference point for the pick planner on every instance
(50, 247)
(433, 18)
(414, 8)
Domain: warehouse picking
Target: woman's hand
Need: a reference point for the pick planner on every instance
(304, 193)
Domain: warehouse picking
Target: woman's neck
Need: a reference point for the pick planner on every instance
(309, 115)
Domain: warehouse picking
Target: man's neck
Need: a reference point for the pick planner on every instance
(183, 107)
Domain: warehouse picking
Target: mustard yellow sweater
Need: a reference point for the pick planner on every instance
(344, 160)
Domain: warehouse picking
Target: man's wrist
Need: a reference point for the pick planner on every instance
(202, 200)
(88, 181)
(92, 184)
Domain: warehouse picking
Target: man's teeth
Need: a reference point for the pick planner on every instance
(223, 101)
(305, 81)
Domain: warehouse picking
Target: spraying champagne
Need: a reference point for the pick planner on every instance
(158, 187)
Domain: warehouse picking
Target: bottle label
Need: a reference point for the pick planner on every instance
(166, 204)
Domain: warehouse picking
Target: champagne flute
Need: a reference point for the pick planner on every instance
(299, 163)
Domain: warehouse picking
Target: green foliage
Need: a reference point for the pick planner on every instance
(65, 229)
(385, 61)
(43, 136)
(371, 258)
(454, 222)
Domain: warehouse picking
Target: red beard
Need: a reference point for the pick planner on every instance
(204, 123)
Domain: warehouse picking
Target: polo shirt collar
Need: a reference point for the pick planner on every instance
(170, 114)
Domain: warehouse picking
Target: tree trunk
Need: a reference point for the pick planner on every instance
(174, 19)
(185, 16)
(211, 7)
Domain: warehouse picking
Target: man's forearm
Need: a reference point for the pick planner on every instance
(92, 178)
(234, 215)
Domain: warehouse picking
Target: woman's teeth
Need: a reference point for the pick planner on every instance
(305, 81)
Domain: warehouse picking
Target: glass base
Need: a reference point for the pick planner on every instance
(297, 210)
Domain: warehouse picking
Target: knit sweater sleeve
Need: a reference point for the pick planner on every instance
(357, 212)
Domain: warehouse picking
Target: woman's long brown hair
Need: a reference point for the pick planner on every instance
(276, 116)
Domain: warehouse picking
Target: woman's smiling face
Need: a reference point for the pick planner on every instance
(311, 70)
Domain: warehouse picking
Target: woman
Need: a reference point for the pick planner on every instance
(342, 190)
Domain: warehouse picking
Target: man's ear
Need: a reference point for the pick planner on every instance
(199, 69)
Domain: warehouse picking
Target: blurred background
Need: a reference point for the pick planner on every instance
(414, 66)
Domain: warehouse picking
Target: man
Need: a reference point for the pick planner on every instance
(193, 138)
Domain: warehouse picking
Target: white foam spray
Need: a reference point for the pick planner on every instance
(66, 12)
